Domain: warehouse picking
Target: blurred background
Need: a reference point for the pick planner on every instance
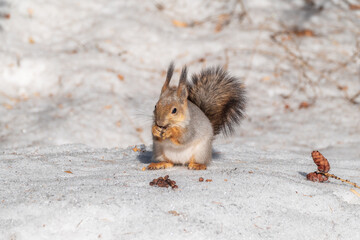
(91, 71)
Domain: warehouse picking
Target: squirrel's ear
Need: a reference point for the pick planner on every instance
(182, 88)
(169, 74)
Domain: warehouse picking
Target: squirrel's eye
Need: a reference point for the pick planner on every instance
(174, 111)
(155, 107)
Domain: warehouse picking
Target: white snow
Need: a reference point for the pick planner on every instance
(254, 194)
(78, 83)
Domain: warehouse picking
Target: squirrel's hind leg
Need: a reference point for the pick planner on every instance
(160, 165)
(201, 157)
(164, 163)
(196, 166)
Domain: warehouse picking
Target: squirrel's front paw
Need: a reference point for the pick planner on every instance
(167, 133)
(156, 131)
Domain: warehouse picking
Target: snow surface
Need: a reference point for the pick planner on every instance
(78, 83)
(253, 194)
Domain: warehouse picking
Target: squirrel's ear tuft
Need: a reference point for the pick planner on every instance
(182, 88)
(169, 74)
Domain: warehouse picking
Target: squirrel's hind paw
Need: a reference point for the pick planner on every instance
(160, 165)
(196, 166)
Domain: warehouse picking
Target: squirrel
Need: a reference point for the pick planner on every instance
(187, 117)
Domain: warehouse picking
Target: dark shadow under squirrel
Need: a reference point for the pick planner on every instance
(189, 116)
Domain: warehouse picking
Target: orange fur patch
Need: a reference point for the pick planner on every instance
(176, 134)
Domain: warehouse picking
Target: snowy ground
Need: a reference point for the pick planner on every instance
(88, 73)
(253, 195)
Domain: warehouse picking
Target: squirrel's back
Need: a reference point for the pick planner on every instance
(220, 96)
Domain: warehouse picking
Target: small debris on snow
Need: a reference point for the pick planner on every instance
(164, 182)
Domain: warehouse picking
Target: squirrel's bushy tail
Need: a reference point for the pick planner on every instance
(220, 96)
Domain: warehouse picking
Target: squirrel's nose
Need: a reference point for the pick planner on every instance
(161, 124)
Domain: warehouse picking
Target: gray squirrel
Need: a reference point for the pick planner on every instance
(187, 117)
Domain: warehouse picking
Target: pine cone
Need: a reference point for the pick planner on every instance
(320, 161)
(316, 177)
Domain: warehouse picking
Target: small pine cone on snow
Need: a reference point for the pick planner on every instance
(316, 177)
(320, 161)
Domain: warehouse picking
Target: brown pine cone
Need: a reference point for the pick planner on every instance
(316, 177)
(320, 161)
